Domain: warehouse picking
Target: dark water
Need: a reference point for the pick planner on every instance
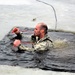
(58, 59)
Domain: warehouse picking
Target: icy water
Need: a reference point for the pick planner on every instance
(29, 16)
(59, 58)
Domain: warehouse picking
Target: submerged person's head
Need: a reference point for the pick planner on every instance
(40, 29)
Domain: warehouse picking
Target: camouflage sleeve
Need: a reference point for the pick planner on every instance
(21, 47)
(46, 45)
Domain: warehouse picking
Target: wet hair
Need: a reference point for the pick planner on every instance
(44, 26)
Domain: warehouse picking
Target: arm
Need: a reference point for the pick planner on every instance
(19, 36)
(17, 32)
(24, 48)
(38, 47)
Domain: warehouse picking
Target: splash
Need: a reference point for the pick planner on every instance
(60, 43)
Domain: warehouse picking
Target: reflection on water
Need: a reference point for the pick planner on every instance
(59, 58)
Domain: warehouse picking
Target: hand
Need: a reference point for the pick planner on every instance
(33, 38)
(16, 43)
(15, 30)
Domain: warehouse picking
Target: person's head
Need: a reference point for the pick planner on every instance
(40, 29)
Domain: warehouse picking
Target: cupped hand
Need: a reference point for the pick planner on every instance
(16, 43)
(15, 30)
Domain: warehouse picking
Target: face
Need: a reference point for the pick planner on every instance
(37, 30)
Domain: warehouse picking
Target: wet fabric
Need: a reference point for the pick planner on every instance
(58, 59)
(39, 45)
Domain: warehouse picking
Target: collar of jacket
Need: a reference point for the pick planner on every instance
(42, 39)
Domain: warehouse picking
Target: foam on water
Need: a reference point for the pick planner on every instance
(60, 43)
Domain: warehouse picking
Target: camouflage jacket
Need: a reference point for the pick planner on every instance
(41, 45)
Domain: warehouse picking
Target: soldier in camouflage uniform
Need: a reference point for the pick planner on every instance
(42, 44)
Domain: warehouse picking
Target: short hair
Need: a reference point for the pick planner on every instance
(44, 26)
